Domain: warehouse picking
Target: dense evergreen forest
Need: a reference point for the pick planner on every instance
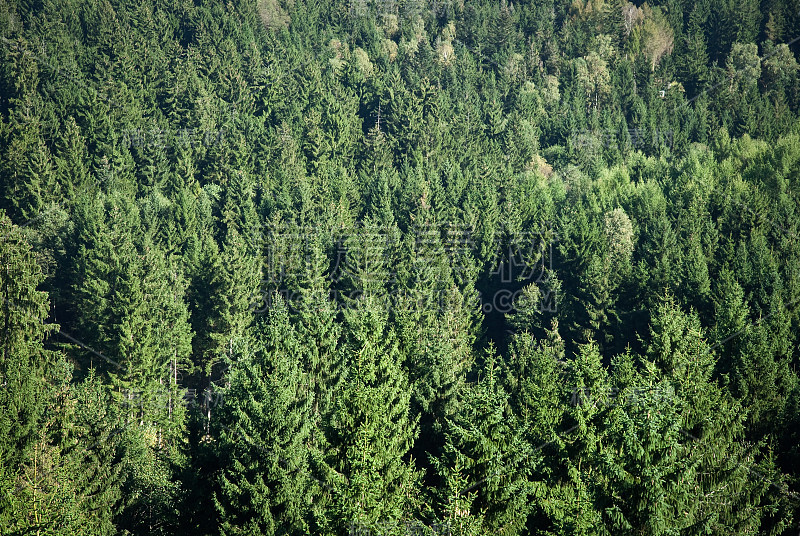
(361, 267)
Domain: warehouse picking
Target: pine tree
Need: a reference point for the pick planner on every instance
(223, 279)
(23, 360)
(484, 450)
(756, 358)
(728, 498)
(225, 274)
(265, 425)
(455, 497)
(316, 316)
(434, 322)
(129, 303)
(590, 308)
(72, 482)
(695, 66)
(571, 504)
(57, 469)
(29, 180)
(371, 429)
(535, 378)
(71, 160)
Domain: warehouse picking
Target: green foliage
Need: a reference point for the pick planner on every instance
(57, 452)
(264, 425)
(518, 268)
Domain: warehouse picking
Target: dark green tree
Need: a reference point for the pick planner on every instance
(264, 425)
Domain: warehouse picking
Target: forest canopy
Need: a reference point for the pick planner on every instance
(399, 267)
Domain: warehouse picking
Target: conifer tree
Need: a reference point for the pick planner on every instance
(725, 495)
(264, 425)
(484, 450)
(23, 362)
(316, 314)
(434, 322)
(371, 428)
(56, 444)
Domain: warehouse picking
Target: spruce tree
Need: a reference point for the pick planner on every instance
(371, 429)
(23, 362)
(435, 323)
(486, 455)
(265, 425)
(57, 451)
(716, 488)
